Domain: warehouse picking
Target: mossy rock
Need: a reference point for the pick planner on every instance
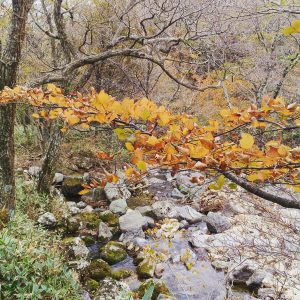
(88, 240)
(110, 218)
(98, 269)
(72, 186)
(72, 225)
(159, 288)
(113, 252)
(92, 285)
(90, 220)
(69, 241)
(140, 200)
(121, 274)
(145, 269)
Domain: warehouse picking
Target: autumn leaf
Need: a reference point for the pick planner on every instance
(142, 166)
(246, 141)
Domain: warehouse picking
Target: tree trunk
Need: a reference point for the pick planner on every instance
(288, 203)
(10, 59)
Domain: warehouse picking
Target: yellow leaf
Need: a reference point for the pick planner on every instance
(129, 171)
(36, 116)
(153, 140)
(141, 165)
(53, 88)
(164, 118)
(72, 120)
(84, 191)
(246, 141)
(198, 151)
(129, 146)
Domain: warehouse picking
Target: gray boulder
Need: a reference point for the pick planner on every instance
(111, 289)
(164, 209)
(104, 233)
(216, 222)
(47, 219)
(189, 214)
(118, 206)
(132, 220)
(116, 191)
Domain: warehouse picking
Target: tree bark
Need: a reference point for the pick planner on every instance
(9, 63)
(288, 203)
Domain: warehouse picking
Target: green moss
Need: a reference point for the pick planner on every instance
(145, 269)
(110, 218)
(90, 220)
(92, 285)
(88, 240)
(98, 269)
(159, 288)
(113, 252)
(121, 274)
(140, 200)
(72, 225)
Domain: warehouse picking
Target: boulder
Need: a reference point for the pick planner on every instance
(189, 214)
(121, 274)
(104, 233)
(146, 268)
(47, 219)
(198, 239)
(164, 209)
(90, 220)
(159, 288)
(113, 252)
(58, 178)
(118, 206)
(132, 220)
(110, 218)
(72, 186)
(81, 204)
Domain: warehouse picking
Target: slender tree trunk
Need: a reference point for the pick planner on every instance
(10, 59)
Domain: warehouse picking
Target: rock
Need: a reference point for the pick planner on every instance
(118, 206)
(132, 220)
(146, 268)
(116, 191)
(159, 288)
(144, 199)
(159, 269)
(266, 294)
(183, 180)
(134, 236)
(164, 209)
(177, 194)
(121, 274)
(58, 178)
(110, 218)
(94, 195)
(242, 273)
(47, 219)
(92, 285)
(189, 214)
(72, 186)
(34, 171)
(165, 297)
(104, 233)
(144, 210)
(74, 210)
(88, 208)
(76, 247)
(98, 269)
(216, 222)
(198, 239)
(155, 180)
(72, 225)
(81, 204)
(111, 289)
(113, 252)
(256, 279)
(85, 295)
(90, 220)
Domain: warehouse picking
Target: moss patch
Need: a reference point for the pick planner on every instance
(90, 220)
(145, 269)
(159, 288)
(92, 285)
(140, 200)
(121, 274)
(113, 252)
(110, 218)
(98, 269)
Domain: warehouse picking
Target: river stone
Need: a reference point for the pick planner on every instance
(146, 268)
(111, 289)
(58, 178)
(47, 219)
(132, 220)
(98, 269)
(116, 191)
(189, 214)
(216, 222)
(118, 206)
(164, 209)
(113, 252)
(104, 233)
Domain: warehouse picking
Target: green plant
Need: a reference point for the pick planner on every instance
(31, 266)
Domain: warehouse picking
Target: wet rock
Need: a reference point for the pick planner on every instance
(216, 222)
(118, 206)
(72, 186)
(113, 252)
(104, 233)
(47, 219)
(90, 220)
(116, 191)
(159, 288)
(146, 268)
(121, 274)
(132, 220)
(111, 289)
(58, 178)
(189, 214)
(110, 218)
(164, 209)
(98, 269)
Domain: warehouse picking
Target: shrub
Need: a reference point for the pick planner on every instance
(31, 266)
